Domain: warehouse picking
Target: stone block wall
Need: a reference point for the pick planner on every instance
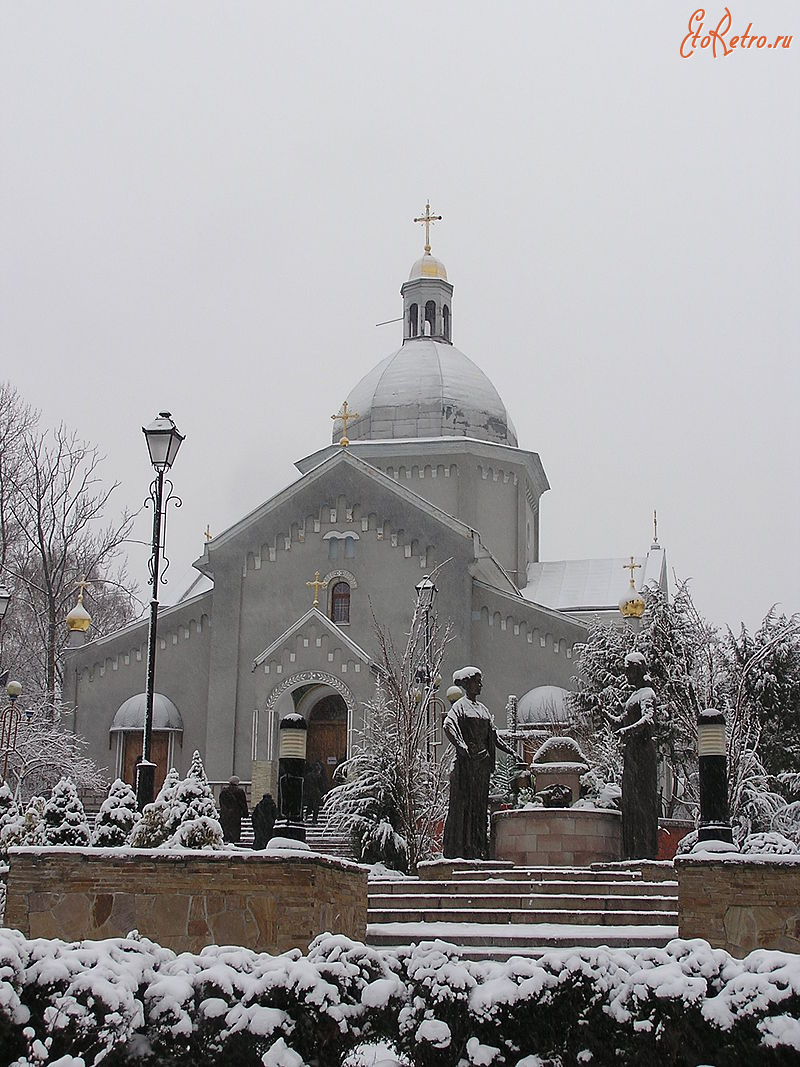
(740, 903)
(553, 837)
(185, 901)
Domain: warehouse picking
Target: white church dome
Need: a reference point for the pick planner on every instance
(545, 705)
(428, 388)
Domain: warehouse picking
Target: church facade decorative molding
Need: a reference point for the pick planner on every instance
(307, 678)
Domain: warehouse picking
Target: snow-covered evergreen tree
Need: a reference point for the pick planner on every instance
(161, 818)
(64, 820)
(116, 818)
(199, 826)
(12, 820)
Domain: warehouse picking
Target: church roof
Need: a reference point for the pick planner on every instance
(485, 566)
(589, 584)
(130, 714)
(298, 625)
(428, 388)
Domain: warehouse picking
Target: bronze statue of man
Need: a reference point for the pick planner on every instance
(640, 801)
(470, 729)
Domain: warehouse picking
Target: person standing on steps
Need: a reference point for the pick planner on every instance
(232, 809)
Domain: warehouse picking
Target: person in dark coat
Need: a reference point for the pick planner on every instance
(264, 815)
(232, 809)
(314, 789)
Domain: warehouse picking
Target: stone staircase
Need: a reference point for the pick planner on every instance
(494, 911)
(318, 838)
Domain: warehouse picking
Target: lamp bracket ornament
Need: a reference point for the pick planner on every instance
(162, 493)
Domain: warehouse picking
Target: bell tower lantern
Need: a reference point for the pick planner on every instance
(427, 295)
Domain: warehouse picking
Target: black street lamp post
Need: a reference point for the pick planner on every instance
(163, 442)
(9, 724)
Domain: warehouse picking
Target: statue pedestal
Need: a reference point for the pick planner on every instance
(557, 837)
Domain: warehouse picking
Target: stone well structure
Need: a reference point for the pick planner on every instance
(555, 837)
(185, 900)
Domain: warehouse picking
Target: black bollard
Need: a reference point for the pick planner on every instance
(715, 822)
(291, 768)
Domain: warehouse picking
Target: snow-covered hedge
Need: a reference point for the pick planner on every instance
(129, 1001)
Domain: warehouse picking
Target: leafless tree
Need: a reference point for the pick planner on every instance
(43, 750)
(52, 508)
(393, 801)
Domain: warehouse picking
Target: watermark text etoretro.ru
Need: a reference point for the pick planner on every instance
(720, 41)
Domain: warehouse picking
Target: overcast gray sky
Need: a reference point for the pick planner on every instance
(206, 207)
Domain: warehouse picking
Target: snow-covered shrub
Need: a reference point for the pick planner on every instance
(127, 1001)
(687, 843)
(64, 821)
(161, 818)
(199, 826)
(769, 844)
(116, 818)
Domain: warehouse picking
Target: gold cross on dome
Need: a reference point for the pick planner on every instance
(631, 567)
(345, 416)
(427, 219)
(316, 585)
(82, 584)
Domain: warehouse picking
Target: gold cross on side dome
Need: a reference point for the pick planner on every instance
(316, 585)
(631, 567)
(82, 584)
(345, 416)
(427, 219)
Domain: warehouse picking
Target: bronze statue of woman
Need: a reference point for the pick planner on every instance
(634, 727)
(469, 727)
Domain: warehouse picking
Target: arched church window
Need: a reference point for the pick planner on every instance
(333, 548)
(340, 602)
(446, 322)
(413, 321)
(349, 548)
(430, 318)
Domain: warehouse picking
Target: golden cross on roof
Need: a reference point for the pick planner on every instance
(345, 416)
(316, 585)
(631, 567)
(208, 531)
(82, 584)
(427, 219)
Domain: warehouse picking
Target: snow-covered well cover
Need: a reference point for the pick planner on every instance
(72, 1004)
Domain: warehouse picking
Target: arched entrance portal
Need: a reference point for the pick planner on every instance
(327, 732)
(326, 704)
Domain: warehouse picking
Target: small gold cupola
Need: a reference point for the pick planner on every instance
(632, 604)
(79, 620)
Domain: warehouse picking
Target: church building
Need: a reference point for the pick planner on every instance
(424, 471)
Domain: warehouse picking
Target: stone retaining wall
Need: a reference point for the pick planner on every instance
(554, 837)
(740, 903)
(185, 900)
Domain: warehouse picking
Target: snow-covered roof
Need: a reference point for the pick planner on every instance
(590, 584)
(130, 714)
(427, 388)
(544, 704)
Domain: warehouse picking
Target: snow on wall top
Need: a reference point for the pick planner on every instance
(427, 389)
